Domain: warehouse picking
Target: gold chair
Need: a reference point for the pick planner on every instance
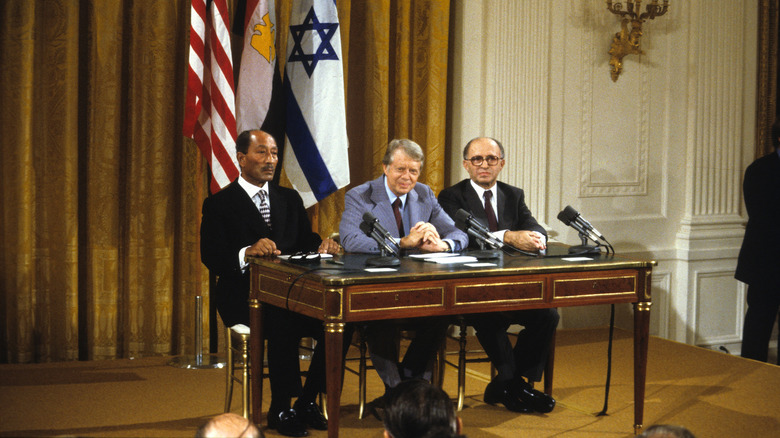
(438, 367)
(237, 342)
(463, 360)
(237, 345)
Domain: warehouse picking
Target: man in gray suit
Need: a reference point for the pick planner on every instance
(410, 212)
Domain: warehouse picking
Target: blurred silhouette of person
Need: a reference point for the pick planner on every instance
(228, 425)
(417, 409)
(666, 431)
(757, 264)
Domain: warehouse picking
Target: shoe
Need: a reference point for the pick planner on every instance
(311, 415)
(537, 400)
(497, 393)
(287, 423)
(377, 408)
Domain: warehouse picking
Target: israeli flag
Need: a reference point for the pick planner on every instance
(315, 147)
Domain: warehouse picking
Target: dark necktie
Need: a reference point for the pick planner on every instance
(398, 220)
(491, 215)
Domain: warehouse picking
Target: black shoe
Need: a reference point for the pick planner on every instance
(497, 393)
(377, 408)
(539, 401)
(287, 423)
(311, 415)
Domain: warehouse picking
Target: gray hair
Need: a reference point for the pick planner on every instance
(410, 148)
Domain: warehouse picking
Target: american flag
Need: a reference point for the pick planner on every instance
(209, 116)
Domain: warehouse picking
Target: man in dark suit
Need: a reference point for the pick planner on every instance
(758, 260)
(502, 209)
(252, 216)
(420, 224)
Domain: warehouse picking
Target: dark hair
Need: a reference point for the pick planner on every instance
(776, 133)
(417, 409)
(243, 140)
(466, 149)
(410, 148)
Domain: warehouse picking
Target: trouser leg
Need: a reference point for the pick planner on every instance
(759, 320)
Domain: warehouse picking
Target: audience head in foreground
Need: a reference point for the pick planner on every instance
(417, 409)
(666, 431)
(229, 425)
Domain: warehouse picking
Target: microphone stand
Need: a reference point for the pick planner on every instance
(385, 258)
(482, 253)
(584, 248)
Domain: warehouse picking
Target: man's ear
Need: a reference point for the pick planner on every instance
(460, 426)
(387, 434)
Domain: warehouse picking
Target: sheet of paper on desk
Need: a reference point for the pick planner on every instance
(576, 259)
(480, 265)
(381, 269)
(456, 259)
(432, 255)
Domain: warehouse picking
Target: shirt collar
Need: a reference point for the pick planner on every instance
(250, 188)
(481, 191)
(392, 195)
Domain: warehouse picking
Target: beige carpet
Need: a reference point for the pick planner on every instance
(711, 393)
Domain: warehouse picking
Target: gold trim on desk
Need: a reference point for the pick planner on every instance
(498, 301)
(288, 298)
(338, 291)
(631, 292)
(396, 291)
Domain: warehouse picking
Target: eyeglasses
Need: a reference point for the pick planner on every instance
(477, 160)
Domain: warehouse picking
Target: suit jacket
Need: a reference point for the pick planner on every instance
(758, 263)
(513, 214)
(372, 197)
(230, 222)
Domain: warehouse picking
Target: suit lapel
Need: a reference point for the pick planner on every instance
(381, 208)
(475, 205)
(278, 209)
(504, 213)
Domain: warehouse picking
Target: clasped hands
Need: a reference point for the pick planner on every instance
(424, 237)
(525, 240)
(266, 247)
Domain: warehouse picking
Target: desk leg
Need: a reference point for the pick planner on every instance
(256, 355)
(334, 341)
(641, 336)
(548, 369)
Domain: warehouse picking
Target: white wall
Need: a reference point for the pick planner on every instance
(654, 160)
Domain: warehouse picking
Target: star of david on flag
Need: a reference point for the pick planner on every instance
(315, 151)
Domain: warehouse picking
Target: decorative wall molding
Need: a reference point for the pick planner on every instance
(516, 40)
(590, 184)
(717, 320)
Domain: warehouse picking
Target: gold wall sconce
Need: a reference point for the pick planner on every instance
(626, 42)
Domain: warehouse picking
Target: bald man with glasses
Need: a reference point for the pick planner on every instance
(501, 208)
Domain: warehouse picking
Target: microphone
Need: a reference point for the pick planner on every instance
(466, 222)
(574, 216)
(569, 216)
(374, 223)
(371, 232)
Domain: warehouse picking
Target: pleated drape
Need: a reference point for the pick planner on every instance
(99, 250)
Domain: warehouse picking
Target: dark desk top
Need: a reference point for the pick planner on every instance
(350, 269)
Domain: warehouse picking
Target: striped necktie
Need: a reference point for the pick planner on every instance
(262, 205)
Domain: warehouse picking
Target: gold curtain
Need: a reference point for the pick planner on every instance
(99, 251)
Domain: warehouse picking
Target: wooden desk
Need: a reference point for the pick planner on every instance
(340, 294)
